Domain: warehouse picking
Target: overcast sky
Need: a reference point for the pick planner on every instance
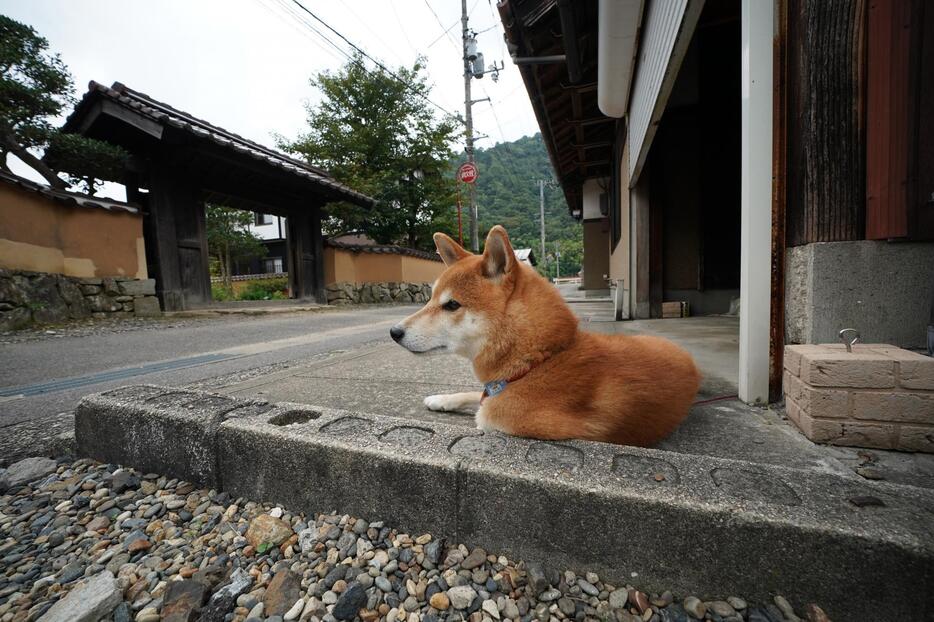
(245, 64)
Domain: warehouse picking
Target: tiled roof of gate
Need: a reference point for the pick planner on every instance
(165, 114)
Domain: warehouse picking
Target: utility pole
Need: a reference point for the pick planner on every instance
(468, 103)
(557, 262)
(541, 208)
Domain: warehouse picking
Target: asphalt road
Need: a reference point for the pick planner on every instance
(42, 379)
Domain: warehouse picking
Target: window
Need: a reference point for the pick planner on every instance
(272, 265)
(262, 219)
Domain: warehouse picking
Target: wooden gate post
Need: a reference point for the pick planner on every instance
(176, 240)
(306, 255)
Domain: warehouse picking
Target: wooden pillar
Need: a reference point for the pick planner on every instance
(191, 235)
(639, 246)
(825, 187)
(900, 155)
(176, 242)
(306, 255)
(317, 240)
(161, 244)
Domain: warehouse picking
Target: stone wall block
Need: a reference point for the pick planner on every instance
(138, 287)
(146, 306)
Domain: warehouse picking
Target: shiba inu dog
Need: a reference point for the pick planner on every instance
(544, 377)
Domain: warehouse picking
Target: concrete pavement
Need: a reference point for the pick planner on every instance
(343, 359)
(42, 380)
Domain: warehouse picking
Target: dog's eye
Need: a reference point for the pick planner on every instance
(451, 305)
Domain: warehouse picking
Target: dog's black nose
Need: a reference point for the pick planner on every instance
(397, 333)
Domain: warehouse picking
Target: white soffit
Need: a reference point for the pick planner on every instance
(667, 31)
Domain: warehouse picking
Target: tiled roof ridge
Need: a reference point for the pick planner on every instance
(66, 197)
(384, 249)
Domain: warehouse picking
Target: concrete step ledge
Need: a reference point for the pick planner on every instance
(657, 519)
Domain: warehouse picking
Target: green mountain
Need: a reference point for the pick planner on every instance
(507, 194)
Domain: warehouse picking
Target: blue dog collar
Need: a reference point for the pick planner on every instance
(494, 387)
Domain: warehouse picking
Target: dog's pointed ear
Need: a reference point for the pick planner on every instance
(498, 256)
(451, 252)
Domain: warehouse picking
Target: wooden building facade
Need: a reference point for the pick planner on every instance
(778, 152)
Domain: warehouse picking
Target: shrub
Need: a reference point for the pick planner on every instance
(220, 293)
(266, 289)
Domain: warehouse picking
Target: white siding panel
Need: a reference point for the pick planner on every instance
(667, 31)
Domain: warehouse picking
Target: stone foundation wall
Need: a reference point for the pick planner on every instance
(344, 293)
(28, 298)
(882, 289)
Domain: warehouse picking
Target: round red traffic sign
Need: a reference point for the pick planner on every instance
(467, 173)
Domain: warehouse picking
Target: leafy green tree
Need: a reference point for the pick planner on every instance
(507, 194)
(35, 86)
(85, 161)
(379, 135)
(230, 239)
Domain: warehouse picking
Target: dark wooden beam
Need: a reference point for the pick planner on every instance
(591, 121)
(569, 39)
(593, 145)
(131, 118)
(580, 88)
(578, 129)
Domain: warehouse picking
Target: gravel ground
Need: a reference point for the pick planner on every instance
(87, 541)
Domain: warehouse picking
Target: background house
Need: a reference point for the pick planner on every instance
(271, 230)
(526, 256)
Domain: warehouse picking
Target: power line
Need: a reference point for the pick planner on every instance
(375, 62)
(392, 5)
(298, 29)
(499, 127)
(304, 22)
(375, 34)
(446, 31)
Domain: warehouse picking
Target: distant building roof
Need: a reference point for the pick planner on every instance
(74, 199)
(165, 115)
(525, 255)
(382, 249)
(355, 237)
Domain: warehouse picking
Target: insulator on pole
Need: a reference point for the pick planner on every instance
(478, 65)
(471, 48)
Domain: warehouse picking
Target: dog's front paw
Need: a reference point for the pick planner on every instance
(437, 403)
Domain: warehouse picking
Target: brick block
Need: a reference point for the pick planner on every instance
(817, 402)
(860, 370)
(792, 410)
(877, 435)
(794, 354)
(791, 361)
(892, 407)
(817, 430)
(917, 373)
(916, 438)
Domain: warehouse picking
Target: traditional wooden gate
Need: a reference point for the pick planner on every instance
(180, 163)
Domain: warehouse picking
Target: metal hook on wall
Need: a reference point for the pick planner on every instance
(848, 342)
